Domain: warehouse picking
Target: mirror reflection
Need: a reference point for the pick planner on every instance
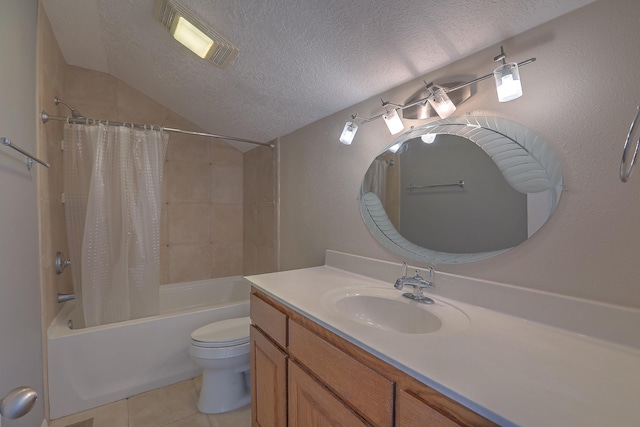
(460, 190)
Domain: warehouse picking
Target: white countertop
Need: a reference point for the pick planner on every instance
(511, 370)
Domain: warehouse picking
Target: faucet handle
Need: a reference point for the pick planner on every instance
(431, 269)
(404, 268)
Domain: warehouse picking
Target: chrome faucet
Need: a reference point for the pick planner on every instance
(418, 283)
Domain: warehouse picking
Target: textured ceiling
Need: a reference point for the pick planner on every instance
(298, 60)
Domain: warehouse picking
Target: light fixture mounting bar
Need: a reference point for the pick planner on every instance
(446, 89)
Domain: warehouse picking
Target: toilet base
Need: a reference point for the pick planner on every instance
(224, 391)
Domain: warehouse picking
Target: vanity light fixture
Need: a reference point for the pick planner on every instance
(508, 86)
(440, 101)
(393, 121)
(195, 34)
(507, 79)
(349, 132)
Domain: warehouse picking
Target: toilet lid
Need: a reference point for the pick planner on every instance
(226, 333)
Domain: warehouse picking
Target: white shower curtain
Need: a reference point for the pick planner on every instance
(375, 180)
(112, 186)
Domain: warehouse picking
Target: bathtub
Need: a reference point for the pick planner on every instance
(89, 367)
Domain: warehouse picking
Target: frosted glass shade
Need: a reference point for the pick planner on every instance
(191, 37)
(508, 83)
(393, 121)
(442, 104)
(349, 131)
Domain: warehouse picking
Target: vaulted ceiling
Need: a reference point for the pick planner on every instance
(298, 60)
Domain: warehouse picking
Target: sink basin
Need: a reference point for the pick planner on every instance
(387, 310)
(388, 314)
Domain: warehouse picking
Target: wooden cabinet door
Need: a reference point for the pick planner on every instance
(268, 382)
(412, 412)
(312, 405)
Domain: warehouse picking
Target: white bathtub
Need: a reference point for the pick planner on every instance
(94, 366)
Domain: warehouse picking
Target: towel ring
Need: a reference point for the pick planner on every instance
(625, 172)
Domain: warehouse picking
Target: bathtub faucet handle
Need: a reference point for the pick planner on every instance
(61, 262)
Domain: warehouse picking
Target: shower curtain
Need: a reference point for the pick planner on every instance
(375, 180)
(112, 187)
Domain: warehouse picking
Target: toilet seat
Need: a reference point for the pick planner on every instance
(225, 333)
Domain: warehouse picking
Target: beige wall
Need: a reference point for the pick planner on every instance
(20, 303)
(580, 95)
(260, 210)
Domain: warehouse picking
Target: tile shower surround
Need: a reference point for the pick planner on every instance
(207, 186)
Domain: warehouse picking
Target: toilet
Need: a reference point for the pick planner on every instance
(221, 349)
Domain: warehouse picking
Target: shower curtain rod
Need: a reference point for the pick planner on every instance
(83, 120)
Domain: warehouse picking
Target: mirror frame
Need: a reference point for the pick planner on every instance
(540, 171)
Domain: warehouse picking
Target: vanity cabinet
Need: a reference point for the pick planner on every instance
(304, 375)
(312, 404)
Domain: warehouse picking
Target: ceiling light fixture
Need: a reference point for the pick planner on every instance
(191, 37)
(192, 32)
(508, 86)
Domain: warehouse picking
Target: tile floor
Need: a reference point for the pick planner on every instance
(170, 406)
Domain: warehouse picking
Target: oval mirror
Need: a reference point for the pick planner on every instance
(460, 189)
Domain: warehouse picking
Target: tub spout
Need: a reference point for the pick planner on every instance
(65, 297)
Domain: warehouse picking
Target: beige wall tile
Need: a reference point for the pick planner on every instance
(188, 148)
(94, 111)
(93, 88)
(226, 259)
(164, 221)
(133, 106)
(259, 215)
(188, 182)
(250, 223)
(250, 178)
(266, 219)
(189, 262)
(164, 264)
(265, 170)
(226, 222)
(226, 184)
(52, 153)
(189, 223)
(265, 260)
(175, 120)
(249, 258)
(224, 155)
